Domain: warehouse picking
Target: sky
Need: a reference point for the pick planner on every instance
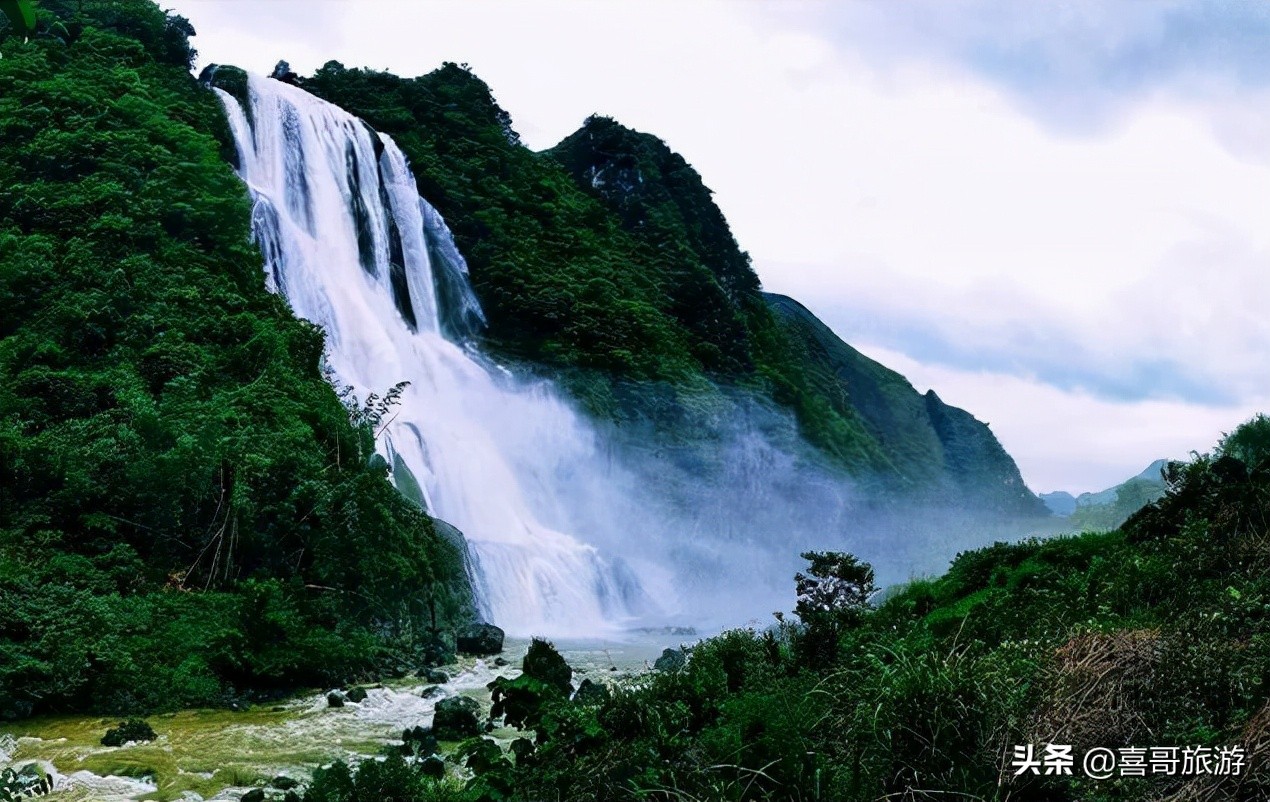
(1056, 215)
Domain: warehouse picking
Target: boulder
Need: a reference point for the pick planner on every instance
(671, 660)
(456, 718)
(591, 693)
(436, 676)
(544, 663)
(500, 661)
(336, 699)
(432, 692)
(254, 795)
(480, 640)
(291, 796)
(354, 695)
(284, 783)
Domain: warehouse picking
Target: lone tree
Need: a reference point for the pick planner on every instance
(832, 596)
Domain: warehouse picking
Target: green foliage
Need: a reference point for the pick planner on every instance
(186, 510)
(1158, 634)
(392, 779)
(832, 596)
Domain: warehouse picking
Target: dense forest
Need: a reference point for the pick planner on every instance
(188, 511)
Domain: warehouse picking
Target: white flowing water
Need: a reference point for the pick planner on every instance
(353, 248)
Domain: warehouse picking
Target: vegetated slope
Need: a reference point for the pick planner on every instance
(929, 442)
(186, 510)
(606, 260)
(1155, 636)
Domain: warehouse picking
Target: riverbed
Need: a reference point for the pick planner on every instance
(221, 754)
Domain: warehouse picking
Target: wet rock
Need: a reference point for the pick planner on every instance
(284, 783)
(432, 692)
(282, 72)
(500, 661)
(544, 663)
(254, 795)
(354, 695)
(291, 796)
(480, 640)
(591, 693)
(134, 729)
(435, 675)
(456, 718)
(671, 660)
(336, 699)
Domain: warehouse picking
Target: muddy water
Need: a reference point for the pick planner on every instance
(219, 754)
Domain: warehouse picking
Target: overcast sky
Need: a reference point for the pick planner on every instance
(1056, 215)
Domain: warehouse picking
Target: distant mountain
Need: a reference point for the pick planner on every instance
(1109, 508)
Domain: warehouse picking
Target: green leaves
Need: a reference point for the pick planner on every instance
(21, 16)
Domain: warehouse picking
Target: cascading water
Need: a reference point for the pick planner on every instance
(354, 249)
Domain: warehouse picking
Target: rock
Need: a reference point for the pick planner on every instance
(544, 663)
(500, 661)
(254, 795)
(134, 729)
(432, 692)
(671, 660)
(291, 796)
(418, 741)
(436, 676)
(456, 718)
(336, 699)
(480, 640)
(591, 693)
(284, 783)
(433, 766)
(282, 72)
(354, 695)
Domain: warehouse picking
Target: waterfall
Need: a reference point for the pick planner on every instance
(350, 244)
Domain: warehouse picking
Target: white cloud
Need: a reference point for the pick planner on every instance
(1071, 440)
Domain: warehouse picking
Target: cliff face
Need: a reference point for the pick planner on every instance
(931, 445)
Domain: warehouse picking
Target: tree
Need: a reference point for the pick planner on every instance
(832, 596)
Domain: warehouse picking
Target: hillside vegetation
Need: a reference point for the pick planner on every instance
(186, 511)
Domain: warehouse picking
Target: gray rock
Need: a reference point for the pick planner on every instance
(336, 699)
(480, 640)
(436, 676)
(354, 695)
(432, 692)
(456, 718)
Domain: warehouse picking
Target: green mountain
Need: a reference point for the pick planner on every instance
(605, 261)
